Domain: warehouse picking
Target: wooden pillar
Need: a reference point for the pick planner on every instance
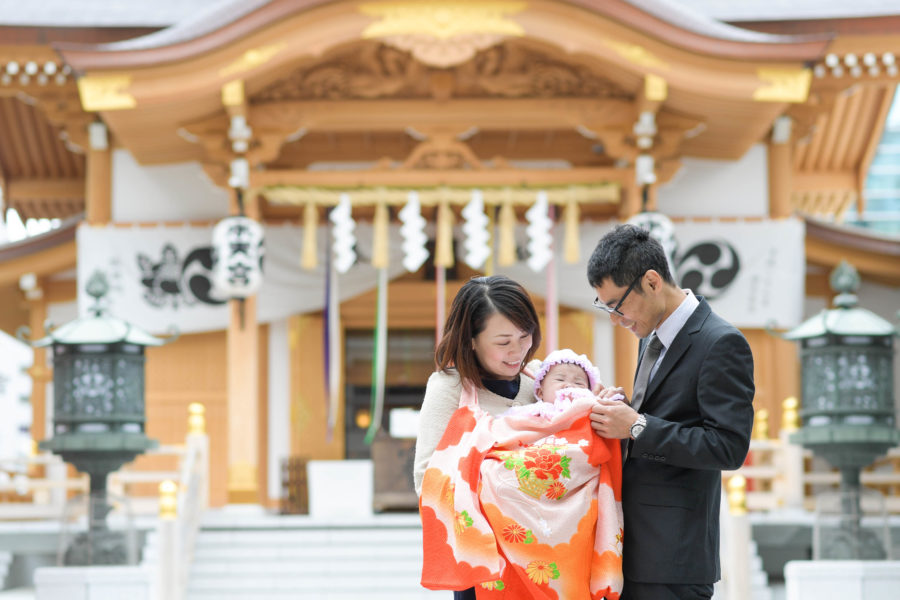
(625, 350)
(243, 392)
(631, 203)
(781, 169)
(98, 176)
(652, 197)
(40, 372)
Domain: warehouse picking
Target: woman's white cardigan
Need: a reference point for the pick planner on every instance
(441, 401)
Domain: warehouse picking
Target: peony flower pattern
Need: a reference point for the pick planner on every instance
(538, 468)
(541, 571)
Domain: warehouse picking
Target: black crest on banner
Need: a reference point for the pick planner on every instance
(176, 282)
(708, 268)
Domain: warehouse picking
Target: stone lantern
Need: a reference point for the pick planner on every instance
(848, 414)
(98, 411)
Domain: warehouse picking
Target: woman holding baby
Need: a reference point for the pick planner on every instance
(518, 498)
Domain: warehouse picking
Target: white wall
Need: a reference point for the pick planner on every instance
(15, 389)
(279, 425)
(719, 188)
(163, 192)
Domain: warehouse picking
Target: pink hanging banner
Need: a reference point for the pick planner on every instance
(440, 280)
(552, 308)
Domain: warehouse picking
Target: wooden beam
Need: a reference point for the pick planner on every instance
(98, 193)
(869, 264)
(46, 262)
(871, 145)
(780, 178)
(61, 290)
(26, 189)
(833, 181)
(521, 114)
(430, 178)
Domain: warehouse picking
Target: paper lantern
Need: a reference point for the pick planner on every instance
(239, 249)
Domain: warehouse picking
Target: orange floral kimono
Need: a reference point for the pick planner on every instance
(523, 507)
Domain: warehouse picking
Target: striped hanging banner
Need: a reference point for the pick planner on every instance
(379, 356)
(333, 356)
(552, 307)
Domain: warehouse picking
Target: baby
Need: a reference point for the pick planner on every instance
(561, 377)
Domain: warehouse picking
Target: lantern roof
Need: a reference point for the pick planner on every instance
(842, 321)
(98, 327)
(846, 318)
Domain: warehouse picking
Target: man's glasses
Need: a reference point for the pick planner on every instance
(615, 309)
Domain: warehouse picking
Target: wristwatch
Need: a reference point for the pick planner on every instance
(638, 426)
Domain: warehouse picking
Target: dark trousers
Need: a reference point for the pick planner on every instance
(468, 594)
(661, 591)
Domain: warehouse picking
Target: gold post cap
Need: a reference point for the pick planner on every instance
(737, 495)
(168, 499)
(196, 418)
(761, 428)
(790, 418)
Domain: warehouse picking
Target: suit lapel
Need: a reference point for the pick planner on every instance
(680, 345)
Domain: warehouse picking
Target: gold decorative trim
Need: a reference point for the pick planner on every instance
(655, 88)
(233, 93)
(783, 85)
(105, 92)
(442, 19)
(522, 196)
(251, 59)
(442, 54)
(443, 33)
(637, 55)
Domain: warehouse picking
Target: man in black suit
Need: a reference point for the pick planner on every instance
(686, 424)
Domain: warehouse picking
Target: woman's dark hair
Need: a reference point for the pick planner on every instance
(476, 301)
(626, 253)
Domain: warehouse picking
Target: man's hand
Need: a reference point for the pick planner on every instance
(612, 418)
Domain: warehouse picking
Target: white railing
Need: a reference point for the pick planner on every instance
(181, 505)
(25, 493)
(780, 475)
(778, 478)
(31, 495)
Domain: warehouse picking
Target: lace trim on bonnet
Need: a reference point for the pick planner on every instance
(567, 356)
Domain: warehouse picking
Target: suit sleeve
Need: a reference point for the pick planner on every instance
(717, 436)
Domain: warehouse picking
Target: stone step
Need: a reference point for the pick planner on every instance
(227, 570)
(312, 553)
(304, 594)
(296, 559)
(6, 559)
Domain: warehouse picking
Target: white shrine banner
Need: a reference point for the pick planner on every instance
(161, 276)
(753, 273)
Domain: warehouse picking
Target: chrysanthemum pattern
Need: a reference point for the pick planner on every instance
(541, 571)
